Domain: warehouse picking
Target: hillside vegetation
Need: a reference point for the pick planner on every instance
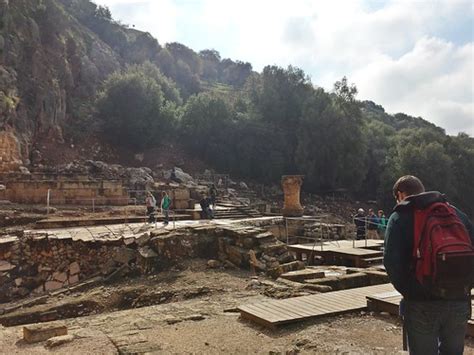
(69, 71)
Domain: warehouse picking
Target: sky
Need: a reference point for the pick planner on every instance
(409, 56)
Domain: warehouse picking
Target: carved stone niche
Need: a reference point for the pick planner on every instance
(291, 189)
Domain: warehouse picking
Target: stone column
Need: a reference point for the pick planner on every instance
(291, 188)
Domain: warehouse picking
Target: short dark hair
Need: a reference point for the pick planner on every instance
(408, 184)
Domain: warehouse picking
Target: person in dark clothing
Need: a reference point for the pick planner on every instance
(382, 223)
(433, 324)
(213, 195)
(372, 225)
(360, 222)
(205, 207)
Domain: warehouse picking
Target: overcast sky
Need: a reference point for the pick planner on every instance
(411, 56)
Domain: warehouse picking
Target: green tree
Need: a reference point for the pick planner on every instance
(205, 123)
(134, 110)
(461, 151)
(331, 147)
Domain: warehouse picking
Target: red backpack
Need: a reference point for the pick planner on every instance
(442, 252)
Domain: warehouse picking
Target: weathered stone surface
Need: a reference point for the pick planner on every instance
(74, 268)
(301, 275)
(147, 252)
(142, 239)
(195, 317)
(73, 279)
(39, 332)
(59, 340)
(60, 276)
(291, 188)
(359, 279)
(52, 285)
(6, 266)
(125, 255)
(213, 264)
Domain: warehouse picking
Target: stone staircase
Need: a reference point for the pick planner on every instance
(236, 212)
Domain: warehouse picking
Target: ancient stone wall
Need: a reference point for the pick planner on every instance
(43, 261)
(80, 192)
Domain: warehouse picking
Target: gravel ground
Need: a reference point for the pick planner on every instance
(205, 323)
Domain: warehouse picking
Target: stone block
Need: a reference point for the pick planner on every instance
(59, 340)
(124, 255)
(181, 194)
(60, 276)
(52, 285)
(302, 275)
(143, 239)
(6, 266)
(34, 333)
(74, 268)
(73, 279)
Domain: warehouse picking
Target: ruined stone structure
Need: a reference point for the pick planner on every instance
(42, 261)
(291, 188)
(27, 189)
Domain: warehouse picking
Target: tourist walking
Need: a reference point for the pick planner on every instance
(165, 207)
(213, 195)
(150, 203)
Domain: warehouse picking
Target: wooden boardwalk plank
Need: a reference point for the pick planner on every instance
(278, 312)
(314, 308)
(274, 312)
(251, 309)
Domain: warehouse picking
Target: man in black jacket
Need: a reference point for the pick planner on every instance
(434, 325)
(360, 224)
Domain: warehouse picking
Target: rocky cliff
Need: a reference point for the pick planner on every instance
(51, 67)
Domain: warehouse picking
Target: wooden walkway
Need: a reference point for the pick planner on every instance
(361, 253)
(276, 312)
(389, 302)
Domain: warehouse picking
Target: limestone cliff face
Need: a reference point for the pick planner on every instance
(51, 67)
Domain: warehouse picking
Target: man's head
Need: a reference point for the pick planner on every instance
(360, 211)
(371, 211)
(407, 185)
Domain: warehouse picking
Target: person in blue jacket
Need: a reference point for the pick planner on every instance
(433, 325)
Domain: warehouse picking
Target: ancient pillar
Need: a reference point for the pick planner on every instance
(291, 188)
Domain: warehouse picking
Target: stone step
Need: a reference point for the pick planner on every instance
(302, 275)
(373, 261)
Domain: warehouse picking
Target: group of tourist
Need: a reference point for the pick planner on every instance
(206, 202)
(370, 226)
(151, 207)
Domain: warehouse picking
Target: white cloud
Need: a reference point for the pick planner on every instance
(409, 56)
(433, 80)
